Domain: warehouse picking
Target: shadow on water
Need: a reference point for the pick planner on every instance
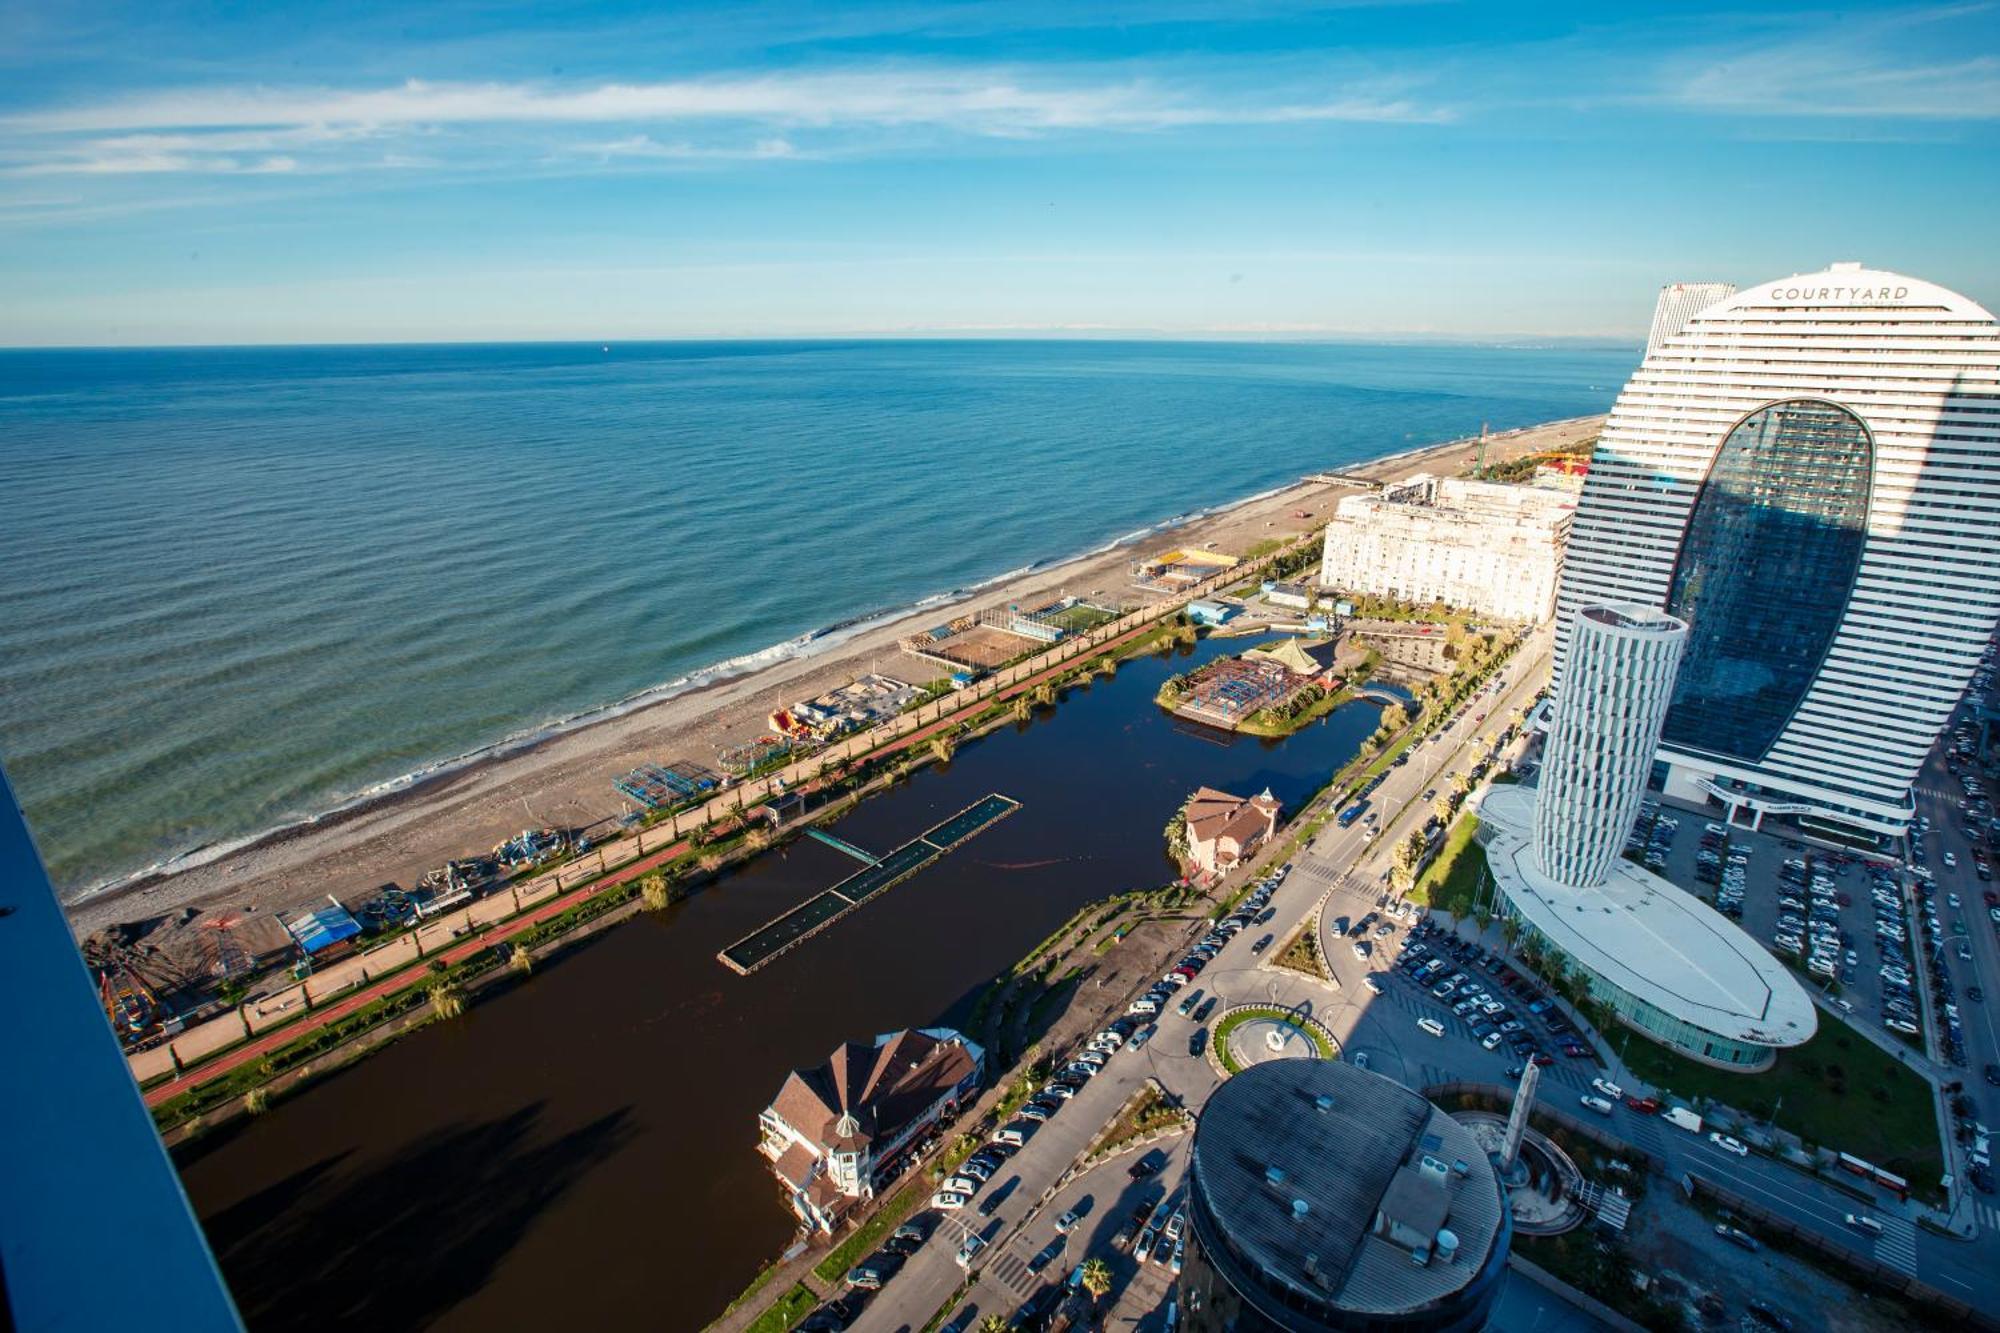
(410, 1237)
(632, 1193)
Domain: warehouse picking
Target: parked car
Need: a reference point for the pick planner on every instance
(1737, 1236)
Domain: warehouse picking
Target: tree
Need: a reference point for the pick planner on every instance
(447, 1000)
(520, 959)
(1097, 1279)
(1510, 930)
(994, 1323)
(1408, 853)
(942, 748)
(1443, 806)
(1394, 718)
(654, 890)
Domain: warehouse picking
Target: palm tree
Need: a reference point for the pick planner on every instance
(1096, 1279)
(942, 748)
(994, 1323)
(653, 890)
(446, 999)
(520, 959)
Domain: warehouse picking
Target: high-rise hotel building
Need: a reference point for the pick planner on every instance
(1808, 474)
(1605, 728)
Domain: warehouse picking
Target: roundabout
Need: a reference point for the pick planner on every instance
(1252, 1034)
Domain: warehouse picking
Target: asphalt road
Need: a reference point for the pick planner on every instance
(1340, 860)
(1346, 867)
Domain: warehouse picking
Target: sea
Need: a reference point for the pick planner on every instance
(241, 587)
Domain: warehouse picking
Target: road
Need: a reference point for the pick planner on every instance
(1345, 867)
(1341, 861)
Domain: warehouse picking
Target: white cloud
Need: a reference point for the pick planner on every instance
(644, 146)
(1866, 68)
(972, 101)
(480, 126)
(153, 163)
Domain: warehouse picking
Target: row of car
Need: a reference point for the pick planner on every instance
(1438, 962)
(1944, 994)
(1188, 968)
(1726, 867)
(1161, 1233)
(1809, 919)
(1652, 837)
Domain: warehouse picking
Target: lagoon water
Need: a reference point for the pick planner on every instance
(238, 586)
(581, 1151)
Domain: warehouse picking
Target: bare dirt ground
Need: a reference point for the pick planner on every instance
(567, 779)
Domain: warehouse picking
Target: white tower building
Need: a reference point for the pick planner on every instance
(1680, 302)
(1603, 736)
(1808, 473)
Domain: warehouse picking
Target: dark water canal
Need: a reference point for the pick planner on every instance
(580, 1152)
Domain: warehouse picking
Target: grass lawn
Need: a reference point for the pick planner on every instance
(887, 1218)
(1081, 619)
(1249, 1015)
(1838, 1091)
(1453, 877)
(793, 1306)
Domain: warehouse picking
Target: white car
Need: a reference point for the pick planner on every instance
(1492, 1041)
(1373, 983)
(1597, 1104)
(1432, 1026)
(1727, 1144)
(1609, 1089)
(949, 1201)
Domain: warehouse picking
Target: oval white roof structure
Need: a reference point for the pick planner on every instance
(1642, 934)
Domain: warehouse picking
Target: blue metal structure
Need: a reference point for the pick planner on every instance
(95, 1231)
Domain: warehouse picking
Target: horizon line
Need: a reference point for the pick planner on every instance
(968, 335)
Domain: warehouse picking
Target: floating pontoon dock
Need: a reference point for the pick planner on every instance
(817, 913)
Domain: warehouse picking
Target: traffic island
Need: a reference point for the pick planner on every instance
(1252, 1034)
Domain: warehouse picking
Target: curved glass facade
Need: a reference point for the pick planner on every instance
(1765, 569)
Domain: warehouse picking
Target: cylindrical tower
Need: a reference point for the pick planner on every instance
(1616, 687)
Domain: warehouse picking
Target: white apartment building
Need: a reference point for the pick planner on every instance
(1477, 545)
(1605, 728)
(1808, 473)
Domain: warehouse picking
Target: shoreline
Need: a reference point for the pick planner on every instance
(396, 830)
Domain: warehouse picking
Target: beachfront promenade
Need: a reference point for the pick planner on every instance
(256, 1028)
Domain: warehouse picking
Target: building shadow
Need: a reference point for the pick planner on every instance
(406, 1240)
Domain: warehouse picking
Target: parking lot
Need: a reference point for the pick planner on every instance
(1843, 922)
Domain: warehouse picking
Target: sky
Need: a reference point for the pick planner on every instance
(389, 172)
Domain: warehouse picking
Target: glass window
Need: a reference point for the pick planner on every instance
(1766, 565)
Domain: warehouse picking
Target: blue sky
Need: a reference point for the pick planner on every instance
(388, 172)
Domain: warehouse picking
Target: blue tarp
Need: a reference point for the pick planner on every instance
(329, 925)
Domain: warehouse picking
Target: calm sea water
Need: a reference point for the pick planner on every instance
(240, 586)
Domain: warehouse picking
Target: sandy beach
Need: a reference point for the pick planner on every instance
(566, 779)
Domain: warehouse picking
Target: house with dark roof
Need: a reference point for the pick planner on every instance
(837, 1132)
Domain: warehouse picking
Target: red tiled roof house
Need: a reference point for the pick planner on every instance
(837, 1132)
(1224, 830)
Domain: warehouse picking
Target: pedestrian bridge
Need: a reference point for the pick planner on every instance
(842, 845)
